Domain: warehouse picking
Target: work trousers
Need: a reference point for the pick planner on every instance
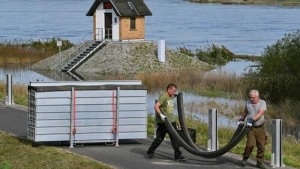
(160, 135)
(258, 136)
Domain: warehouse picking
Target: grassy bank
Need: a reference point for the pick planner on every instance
(17, 153)
(252, 2)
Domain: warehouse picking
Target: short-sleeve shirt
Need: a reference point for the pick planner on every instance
(253, 109)
(167, 106)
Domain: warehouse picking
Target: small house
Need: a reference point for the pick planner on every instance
(119, 20)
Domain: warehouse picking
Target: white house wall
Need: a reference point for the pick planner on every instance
(100, 21)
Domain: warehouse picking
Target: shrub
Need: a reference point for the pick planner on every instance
(214, 54)
(277, 76)
(185, 51)
(210, 53)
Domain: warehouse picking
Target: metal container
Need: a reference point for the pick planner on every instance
(82, 114)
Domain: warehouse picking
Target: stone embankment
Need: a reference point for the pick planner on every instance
(127, 58)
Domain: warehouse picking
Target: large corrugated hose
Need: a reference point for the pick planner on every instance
(184, 127)
(192, 148)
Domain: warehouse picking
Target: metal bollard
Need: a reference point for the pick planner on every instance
(277, 158)
(9, 97)
(212, 144)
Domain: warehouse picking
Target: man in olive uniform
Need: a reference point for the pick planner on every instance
(254, 110)
(165, 102)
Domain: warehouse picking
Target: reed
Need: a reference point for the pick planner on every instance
(196, 81)
(29, 52)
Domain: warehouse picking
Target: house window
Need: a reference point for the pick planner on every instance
(132, 23)
(107, 5)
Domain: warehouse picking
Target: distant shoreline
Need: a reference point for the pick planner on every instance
(250, 2)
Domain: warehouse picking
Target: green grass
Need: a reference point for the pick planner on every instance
(23, 154)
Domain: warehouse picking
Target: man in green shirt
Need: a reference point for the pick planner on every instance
(165, 102)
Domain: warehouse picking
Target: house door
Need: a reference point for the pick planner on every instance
(108, 25)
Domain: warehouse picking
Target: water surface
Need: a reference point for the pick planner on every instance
(244, 29)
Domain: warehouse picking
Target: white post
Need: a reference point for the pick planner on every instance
(117, 116)
(9, 97)
(71, 119)
(277, 158)
(161, 51)
(59, 44)
(212, 144)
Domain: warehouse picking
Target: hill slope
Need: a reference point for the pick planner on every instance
(124, 58)
(134, 57)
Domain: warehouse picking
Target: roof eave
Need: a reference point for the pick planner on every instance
(96, 4)
(93, 8)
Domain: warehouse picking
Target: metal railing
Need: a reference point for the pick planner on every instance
(56, 62)
(69, 52)
(91, 52)
(108, 33)
(99, 34)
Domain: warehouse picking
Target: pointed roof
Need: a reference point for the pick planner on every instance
(124, 7)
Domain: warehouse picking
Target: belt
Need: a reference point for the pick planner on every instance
(258, 126)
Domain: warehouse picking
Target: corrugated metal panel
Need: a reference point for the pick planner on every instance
(53, 101)
(133, 100)
(125, 107)
(53, 94)
(130, 93)
(86, 129)
(57, 137)
(128, 114)
(91, 94)
(99, 101)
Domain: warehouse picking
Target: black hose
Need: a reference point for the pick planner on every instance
(182, 123)
(213, 154)
(184, 128)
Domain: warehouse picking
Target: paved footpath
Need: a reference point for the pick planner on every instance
(131, 154)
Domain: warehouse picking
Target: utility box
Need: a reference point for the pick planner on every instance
(192, 133)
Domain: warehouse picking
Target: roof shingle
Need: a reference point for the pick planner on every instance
(122, 7)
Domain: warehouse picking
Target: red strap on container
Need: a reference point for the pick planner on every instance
(74, 127)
